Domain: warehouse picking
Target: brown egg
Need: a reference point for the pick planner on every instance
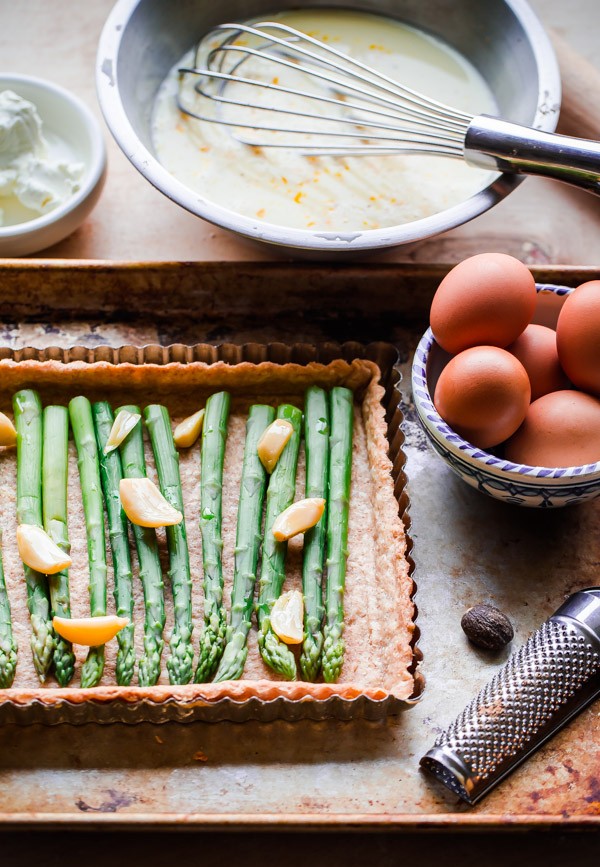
(561, 429)
(536, 350)
(578, 336)
(488, 300)
(483, 394)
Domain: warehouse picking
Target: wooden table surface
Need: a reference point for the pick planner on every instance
(541, 222)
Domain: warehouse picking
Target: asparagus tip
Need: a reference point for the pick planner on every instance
(233, 660)
(275, 653)
(149, 664)
(42, 645)
(8, 663)
(64, 661)
(180, 663)
(310, 658)
(212, 644)
(93, 667)
(333, 656)
(125, 665)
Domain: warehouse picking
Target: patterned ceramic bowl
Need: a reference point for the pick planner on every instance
(540, 487)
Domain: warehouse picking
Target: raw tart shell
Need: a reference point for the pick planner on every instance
(386, 653)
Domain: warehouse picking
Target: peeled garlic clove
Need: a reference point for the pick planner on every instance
(298, 518)
(287, 616)
(89, 631)
(123, 424)
(38, 551)
(8, 434)
(145, 506)
(187, 431)
(273, 442)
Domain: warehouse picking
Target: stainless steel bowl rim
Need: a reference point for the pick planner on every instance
(546, 118)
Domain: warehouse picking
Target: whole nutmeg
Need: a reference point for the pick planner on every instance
(487, 627)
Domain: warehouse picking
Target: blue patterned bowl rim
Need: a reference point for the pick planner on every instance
(425, 407)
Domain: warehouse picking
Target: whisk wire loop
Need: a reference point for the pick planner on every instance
(384, 116)
(341, 86)
(297, 113)
(349, 63)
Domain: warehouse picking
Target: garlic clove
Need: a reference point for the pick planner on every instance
(187, 431)
(298, 518)
(287, 617)
(38, 551)
(8, 434)
(89, 631)
(123, 424)
(273, 441)
(145, 506)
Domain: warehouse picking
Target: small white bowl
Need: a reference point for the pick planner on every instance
(68, 118)
(522, 485)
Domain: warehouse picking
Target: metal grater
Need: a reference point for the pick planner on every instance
(541, 687)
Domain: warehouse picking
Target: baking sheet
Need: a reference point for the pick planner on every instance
(467, 549)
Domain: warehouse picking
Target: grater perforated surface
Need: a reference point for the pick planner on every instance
(523, 697)
(531, 696)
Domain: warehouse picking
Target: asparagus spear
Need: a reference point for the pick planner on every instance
(134, 467)
(316, 443)
(166, 458)
(280, 494)
(28, 422)
(82, 423)
(340, 470)
(214, 435)
(8, 646)
(55, 462)
(247, 543)
(111, 474)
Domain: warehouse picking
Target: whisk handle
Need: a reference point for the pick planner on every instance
(498, 145)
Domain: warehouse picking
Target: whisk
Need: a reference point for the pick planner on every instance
(273, 86)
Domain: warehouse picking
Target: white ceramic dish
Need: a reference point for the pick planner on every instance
(65, 116)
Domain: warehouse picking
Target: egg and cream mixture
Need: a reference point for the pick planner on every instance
(323, 192)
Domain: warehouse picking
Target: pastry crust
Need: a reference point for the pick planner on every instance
(379, 611)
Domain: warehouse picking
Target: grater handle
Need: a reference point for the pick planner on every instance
(553, 676)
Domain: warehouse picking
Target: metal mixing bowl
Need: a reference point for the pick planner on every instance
(143, 39)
